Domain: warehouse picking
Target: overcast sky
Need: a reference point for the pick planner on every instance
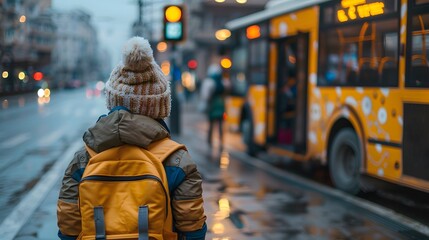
(111, 18)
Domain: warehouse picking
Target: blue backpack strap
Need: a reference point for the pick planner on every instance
(143, 223)
(100, 229)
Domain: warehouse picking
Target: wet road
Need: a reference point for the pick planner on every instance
(34, 134)
(243, 198)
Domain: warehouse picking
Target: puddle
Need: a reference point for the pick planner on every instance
(295, 207)
(235, 218)
(270, 221)
(234, 188)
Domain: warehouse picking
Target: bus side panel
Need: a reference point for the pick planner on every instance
(257, 100)
(377, 110)
(378, 117)
(233, 105)
(347, 112)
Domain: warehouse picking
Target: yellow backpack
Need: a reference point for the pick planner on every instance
(124, 193)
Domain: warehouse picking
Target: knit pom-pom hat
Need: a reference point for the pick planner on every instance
(138, 83)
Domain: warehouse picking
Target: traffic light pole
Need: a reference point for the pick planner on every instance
(175, 102)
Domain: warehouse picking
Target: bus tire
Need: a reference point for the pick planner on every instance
(247, 133)
(345, 159)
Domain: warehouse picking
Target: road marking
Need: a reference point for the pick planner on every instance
(11, 225)
(47, 141)
(18, 139)
(371, 207)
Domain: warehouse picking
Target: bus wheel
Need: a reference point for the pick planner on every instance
(247, 133)
(345, 160)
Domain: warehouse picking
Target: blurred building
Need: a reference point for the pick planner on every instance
(203, 19)
(76, 56)
(150, 17)
(206, 17)
(27, 36)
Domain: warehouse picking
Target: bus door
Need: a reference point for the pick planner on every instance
(291, 93)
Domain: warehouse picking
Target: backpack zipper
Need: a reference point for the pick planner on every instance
(128, 178)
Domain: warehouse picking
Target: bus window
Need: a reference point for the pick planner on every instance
(418, 66)
(363, 54)
(359, 51)
(238, 71)
(258, 61)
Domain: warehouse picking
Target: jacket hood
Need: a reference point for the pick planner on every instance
(122, 127)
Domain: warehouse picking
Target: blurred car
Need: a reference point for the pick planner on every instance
(95, 89)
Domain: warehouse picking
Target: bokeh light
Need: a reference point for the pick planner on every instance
(162, 46)
(222, 34)
(226, 63)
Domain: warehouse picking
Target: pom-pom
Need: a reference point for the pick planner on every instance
(137, 54)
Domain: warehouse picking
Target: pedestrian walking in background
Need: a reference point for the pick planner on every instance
(213, 93)
(128, 156)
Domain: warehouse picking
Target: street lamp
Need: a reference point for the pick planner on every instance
(241, 1)
(22, 19)
(222, 34)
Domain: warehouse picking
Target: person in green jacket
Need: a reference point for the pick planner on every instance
(213, 90)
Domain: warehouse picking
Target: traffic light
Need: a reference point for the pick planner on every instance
(174, 23)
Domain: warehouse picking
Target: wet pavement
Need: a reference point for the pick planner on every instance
(246, 202)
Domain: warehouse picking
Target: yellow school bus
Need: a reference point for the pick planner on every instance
(344, 82)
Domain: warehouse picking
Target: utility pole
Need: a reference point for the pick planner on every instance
(137, 29)
(140, 3)
(175, 102)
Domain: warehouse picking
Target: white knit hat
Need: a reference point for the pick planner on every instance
(138, 82)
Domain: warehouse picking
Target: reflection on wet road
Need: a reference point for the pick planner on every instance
(34, 133)
(250, 203)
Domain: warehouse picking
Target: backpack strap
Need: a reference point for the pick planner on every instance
(100, 229)
(162, 149)
(143, 222)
